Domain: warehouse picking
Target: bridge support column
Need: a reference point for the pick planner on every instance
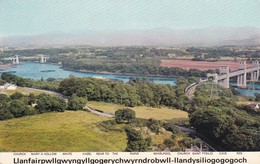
(241, 80)
(253, 76)
(224, 71)
(256, 64)
(257, 73)
(41, 59)
(225, 82)
(17, 59)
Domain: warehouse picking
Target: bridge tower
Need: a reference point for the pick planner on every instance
(241, 79)
(15, 60)
(43, 59)
(224, 70)
(255, 74)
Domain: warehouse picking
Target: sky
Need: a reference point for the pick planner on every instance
(30, 17)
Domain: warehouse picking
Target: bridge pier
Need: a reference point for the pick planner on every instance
(241, 80)
(224, 82)
(15, 60)
(256, 64)
(43, 59)
(254, 76)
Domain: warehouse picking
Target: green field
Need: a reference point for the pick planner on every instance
(162, 113)
(68, 131)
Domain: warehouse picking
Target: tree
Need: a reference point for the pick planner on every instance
(76, 103)
(136, 143)
(18, 108)
(125, 115)
(213, 122)
(16, 95)
(72, 86)
(4, 99)
(154, 125)
(47, 103)
(5, 114)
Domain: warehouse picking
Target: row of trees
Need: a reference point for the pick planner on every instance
(18, 105)
(49, 84)
(132, 68)
(135, 92)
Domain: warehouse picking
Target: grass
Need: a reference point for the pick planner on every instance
(144, 112)
(67, 131)
(245, 100)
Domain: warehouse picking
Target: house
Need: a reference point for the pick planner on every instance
(8, 86)
(255, 105)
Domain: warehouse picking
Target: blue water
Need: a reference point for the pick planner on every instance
(33, 70)
(248, 92)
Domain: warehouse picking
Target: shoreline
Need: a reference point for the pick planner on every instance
(5, 66)
(120, 74)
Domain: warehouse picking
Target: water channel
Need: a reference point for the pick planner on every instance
(35, 70)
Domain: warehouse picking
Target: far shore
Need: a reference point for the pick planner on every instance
(5, 66)
(120, 74)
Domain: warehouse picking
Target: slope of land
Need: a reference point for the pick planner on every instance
(67, 131)
(144, 112)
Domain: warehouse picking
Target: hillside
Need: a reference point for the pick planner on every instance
(68, 131)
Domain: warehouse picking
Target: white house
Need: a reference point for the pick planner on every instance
(8, 86)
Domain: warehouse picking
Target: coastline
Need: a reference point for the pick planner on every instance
(120, 74)
(5, 66)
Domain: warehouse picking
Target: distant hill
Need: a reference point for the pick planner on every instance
(252, 41)
(155, 37)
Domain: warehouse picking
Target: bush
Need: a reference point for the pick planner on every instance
(47, 103)
(169, 142)
(16, 95)
(154, 125)
(18, 108)
(136, 143)
(5, 114)
(125, 115)
(76, 103)
(170, 126)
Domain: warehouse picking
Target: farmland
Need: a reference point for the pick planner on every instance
(200, 65)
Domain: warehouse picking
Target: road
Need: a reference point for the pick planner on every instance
(189, 91)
